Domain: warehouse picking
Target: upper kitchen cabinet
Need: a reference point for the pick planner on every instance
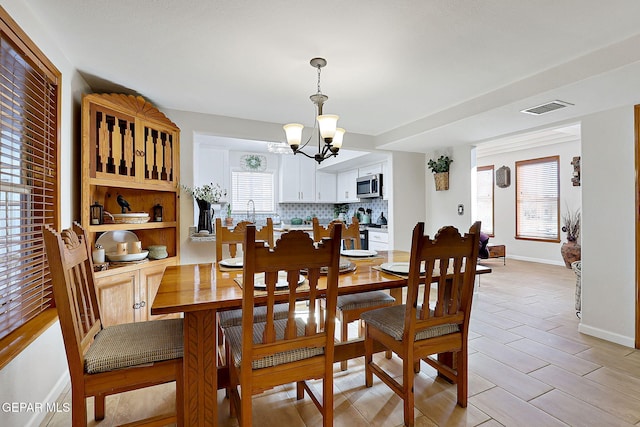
(346, 186)
(297, 179)
(325, 187)
(370, 170)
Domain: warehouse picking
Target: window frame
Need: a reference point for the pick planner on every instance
(232, 200)
(493, 197)
(555, 159)
(18, 337)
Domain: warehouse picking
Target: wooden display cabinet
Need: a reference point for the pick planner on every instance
(126, 296)
(130, 149)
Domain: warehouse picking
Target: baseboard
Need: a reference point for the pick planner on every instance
(51, 397)
(540, 260)
(607, 335)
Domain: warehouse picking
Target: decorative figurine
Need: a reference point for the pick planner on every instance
(123, 204)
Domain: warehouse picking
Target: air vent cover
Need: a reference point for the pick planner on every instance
(546, 107)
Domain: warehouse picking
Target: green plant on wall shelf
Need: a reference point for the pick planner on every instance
(440, 165)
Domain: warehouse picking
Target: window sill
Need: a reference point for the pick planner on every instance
(13, 344)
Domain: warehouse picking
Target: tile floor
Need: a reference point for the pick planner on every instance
(528, 364)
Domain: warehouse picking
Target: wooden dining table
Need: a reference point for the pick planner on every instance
(200, 291)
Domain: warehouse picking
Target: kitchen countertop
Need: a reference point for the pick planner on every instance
(308, 227)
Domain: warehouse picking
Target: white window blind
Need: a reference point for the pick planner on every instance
(484, 198)
(537, 199)
(28, 176)
(256, 186)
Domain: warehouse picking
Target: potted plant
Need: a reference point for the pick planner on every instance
(204, 196)
(340, 211)
(228, 221)
(440, 168)
(571, 250)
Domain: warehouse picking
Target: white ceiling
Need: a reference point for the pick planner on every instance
(415, 75)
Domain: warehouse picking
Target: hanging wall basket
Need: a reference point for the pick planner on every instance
(442, 180)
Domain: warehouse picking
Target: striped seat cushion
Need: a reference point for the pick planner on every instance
(234, 317)
(364, 299)
(130, 344)
(390, 320)
(234, 340)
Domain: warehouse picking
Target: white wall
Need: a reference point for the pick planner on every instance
(505, 201)
(38, 373)
(608, 226)
(407, 201)
(442, 206)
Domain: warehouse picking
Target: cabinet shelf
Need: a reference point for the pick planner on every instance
(133, 185)
(143, 226)
(134, 267)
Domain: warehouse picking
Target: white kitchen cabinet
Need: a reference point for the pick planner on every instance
(378, 241)
(325, 187)
(346, 186)
(297, 179)
(374, 169)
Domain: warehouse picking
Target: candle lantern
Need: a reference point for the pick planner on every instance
(157, 213)
(96, 213)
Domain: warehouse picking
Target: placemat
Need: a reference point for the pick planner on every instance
(304, 287)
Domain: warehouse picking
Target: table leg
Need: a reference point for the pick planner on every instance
(200, 369)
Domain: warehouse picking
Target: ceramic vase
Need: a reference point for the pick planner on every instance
(205, 215)
(570, 252)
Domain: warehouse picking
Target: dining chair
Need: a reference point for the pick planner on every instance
(350, 307)
(436, 323)
(280, 351)
(107, 360)
(230, 238)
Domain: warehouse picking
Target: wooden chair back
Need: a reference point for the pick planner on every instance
(452, 293)
(294, 251)
(231, 238)
(436, 323)
(350, 234)
(74, 292)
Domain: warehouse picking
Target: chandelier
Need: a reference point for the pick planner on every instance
(329, 135)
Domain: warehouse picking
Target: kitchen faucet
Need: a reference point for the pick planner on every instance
(252, 217)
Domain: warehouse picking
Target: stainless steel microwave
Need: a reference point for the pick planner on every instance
(369, 186)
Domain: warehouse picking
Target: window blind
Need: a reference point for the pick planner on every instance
(256, 186)
(537, 199)
(28, 188)
(484, 198)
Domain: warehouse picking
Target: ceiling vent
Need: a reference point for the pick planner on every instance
(546, 107)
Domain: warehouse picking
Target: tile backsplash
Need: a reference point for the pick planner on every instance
(324, 211)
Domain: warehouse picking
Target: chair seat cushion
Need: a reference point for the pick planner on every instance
(234, 340)
(130, 344)
(390, 320)
(234, 317)
(364, 299)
